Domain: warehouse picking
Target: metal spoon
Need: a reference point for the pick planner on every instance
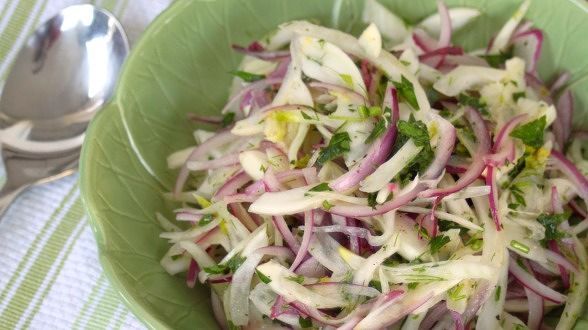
(64, 74)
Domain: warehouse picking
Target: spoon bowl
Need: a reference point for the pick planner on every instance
(63, 75)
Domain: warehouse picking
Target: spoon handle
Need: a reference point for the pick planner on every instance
(7, 196)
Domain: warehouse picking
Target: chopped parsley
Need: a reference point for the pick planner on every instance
(474, 102)
(532, 132)
(305, 322)
(232, 326)
(412, 285)
(326, 205)
(422, 231)
(216, 269)
(371, 199)
(347, 79)
(406, 92)
(517, 194)
(262, 277)
(229, 267)
(416, 130)
(455, 293)
(206, 219)
(438, 242)
(339, 144)
(519, 246)
(301, 162)
(235, 262)
(518, 168)
(247, 76)
(379, 129)
(376, 285)
(497, 60)
(365, 112)
(228, 119)
(497, 293)
(321, 187)
(296, 278)
(516, 96)
(551, 222)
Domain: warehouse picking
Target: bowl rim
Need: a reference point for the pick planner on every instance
(134, 305)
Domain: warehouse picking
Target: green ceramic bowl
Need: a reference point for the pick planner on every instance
(181, 64)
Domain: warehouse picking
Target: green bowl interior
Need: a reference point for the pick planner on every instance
(181, 65)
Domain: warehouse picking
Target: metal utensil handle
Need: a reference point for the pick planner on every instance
(7, 196)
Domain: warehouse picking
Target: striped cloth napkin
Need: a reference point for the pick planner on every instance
(50, 277)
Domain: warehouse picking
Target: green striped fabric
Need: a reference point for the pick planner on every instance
(50, 277)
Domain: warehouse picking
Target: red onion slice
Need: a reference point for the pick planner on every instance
(355, 97)
(534, 284)
(503, 134)
(533, 40)
(282, 227)
(562, 126)
(191, 275)
(308, 224)
(446, 29)
(201, 150)
(262, 54)
(378, 152)
(231, 186)
(571, 171)
(355, 211)
(443, 150)
(477, 166)
(260, 84)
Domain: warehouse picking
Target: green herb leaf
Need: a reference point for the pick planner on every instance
(371, 199)
(262, 277)
(301, 162)
(438, 242)
(412, 285)
(247, 76)
(416, 130)
(217, 269)
(232, 326)
(326, 205)
(305, 322)
(339, 144)
(235, 262)
(518, 95)
(474, 102)
(376, 285)
(206, 219)
(297, 278)
(379, 129)
(497, 293)
(531, 133)
(518, 168)
(347, 79)
(455, 293)
(406, 92)
(228, 119)
(422, 231)
(519, 246)
(551, 222)
(497, 60)
(321, 187)
(365, 112)
(517, 193)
